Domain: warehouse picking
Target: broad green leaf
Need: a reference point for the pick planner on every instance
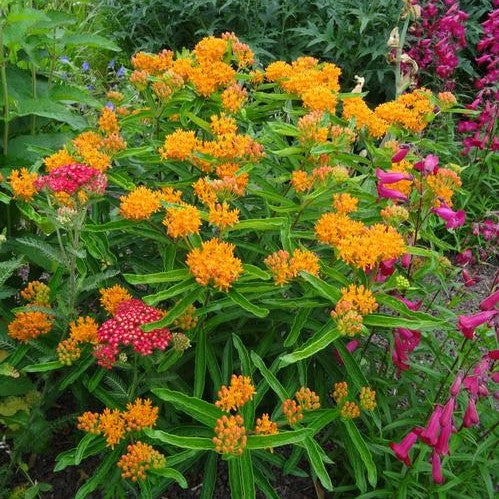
(196, 443)
(315, 458)
(363, 451)
(158, 278)
(320, 340)
(324, 289)
(196, 408)
(89, 40)
(269, 377)
(298, 323)
(43, 367)
(243, 302)
(378, 320)
(47, 108)
(281, 438)
(170, 473)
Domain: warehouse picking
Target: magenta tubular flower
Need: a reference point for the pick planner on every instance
(387, 267)
(351, 346)
(453, 219)
(442, 445)
(384, 192)
(468, 323)
(430, 434)
(471, 415)
(456, 385)
(471, 384)
(490, 302)
(428, 165)
(469, 280)
(436, 468)
(400, 154)
(402, 449)
(447, 413)
(411, 305)
(391, 177)
(465, 257)
(405, 260)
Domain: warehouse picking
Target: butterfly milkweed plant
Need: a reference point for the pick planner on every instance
(240, 271)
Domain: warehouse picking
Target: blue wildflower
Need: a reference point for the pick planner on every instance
(64, 59)
(110, 105)
(121, 72)
(85, 66)
(111, 64)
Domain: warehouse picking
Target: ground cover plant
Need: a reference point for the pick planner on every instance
(253, 271)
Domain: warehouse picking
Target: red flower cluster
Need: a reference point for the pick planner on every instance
(72, 177)
(125, 329)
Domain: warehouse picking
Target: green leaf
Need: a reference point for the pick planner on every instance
(243, 302)
(256, 272)
(196, 443)
(177, 289)
(269, 377)
(281, 438)
(170, 473)
(351, 367)
(8, 267)
(248, 479)
(235, 478)
(200, 364)
(323, 288)
(75, 373)
(47, 108)
(378, 320)
(259, 224)
(320, 340)
(89, 40)
(196, 408)
(82, 447)
(209, 476)
(158, 278)
(315, 458)
(363, 451)
(298, 323)
(43, 367)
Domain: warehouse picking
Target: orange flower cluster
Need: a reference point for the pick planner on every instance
(58, 159)
(292, 411)
(354, 108)
(179, 145)
(443, 185)
(311, 131)
(233, 98)
(447, 100)
(223, 125)
(22, 183)
(303, 181)
(394, 214)
(215, 262)
(111, 297)
(37, 293)
(182, 221)
(68, 351)
(139, 204)
(362, 299)
(243, 54)
(169, 195)
(108, 122)
(240, 391)
(317, 84)
(368, 398)
(187, 320)
(83, 330)
(350, 410)
(344, 203)
(403, 186)
(140, 458)
(230, 435)
(114, 424)
(285, 267)
(340, 391)
(333, 228)
(308, 399)
(265, 426)
(29, 325)
(222, 216)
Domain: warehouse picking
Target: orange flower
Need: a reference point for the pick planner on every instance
(210, 49)
(240, 391)
(394, 214)
(233, 98)
(310, 130)
(222, 216)
(37, 293)
(139, 415)
(319, 98)
(140, 458)
(89, 422)
(84, 330)
(230, 435)
(115, 96)
(170, 195)
(182, 221)
(139, 204)
(215, 262)
(285, 267)
(264, 426)
(139, 79)
(23, 184)
(111, 297)
(301, 180)
(209, 77)
(68, 351)
(278, 263)
(188, 319)
(205, 191)
(59, 158)
(87, 140)
(350, 410)
(340, 391)
(179, 145)
(292, 411)
(108, 122)
(308, 399)
(114, 142)
(355, 108)
(112, 426)
(303, 260)
(29, 325)
(332, 228)
(223, 125)
(344, 203)
(361, 298)
(443, 185)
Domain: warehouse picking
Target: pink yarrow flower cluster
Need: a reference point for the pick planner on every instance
(125, 329)
(481, 129)
(70, 178)
(437, 37)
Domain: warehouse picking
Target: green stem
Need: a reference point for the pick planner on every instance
(399, 87)
(5, 90)
(34, 91)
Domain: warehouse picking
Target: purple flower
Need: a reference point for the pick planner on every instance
(121, 72)
(453, 219)
(468, 323)
(64, 59)
(110, 105)
(85, 66)
(111, 64)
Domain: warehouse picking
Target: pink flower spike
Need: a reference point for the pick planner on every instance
(447, 413)
(402, 449)
(436, 468)
(428, 165)
(400, 154)
(471, 384)
(411, 305)
(406, 260)
(468, 323)
(494, 355)
(456, 385)
(386, 193)
(471, 415)
(430, 434)
(490, 302)
(465, 257)
(391, 177)
(453, 219)
(468, 279)
(442, 446)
